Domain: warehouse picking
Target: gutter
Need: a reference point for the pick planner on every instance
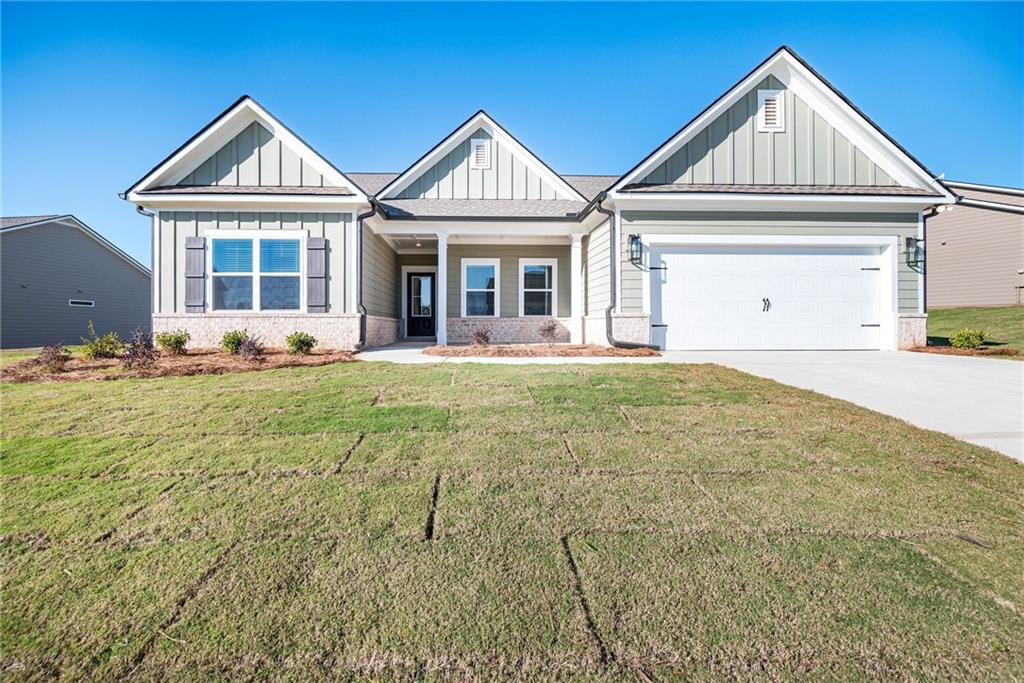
(359, 272)
(612, 252)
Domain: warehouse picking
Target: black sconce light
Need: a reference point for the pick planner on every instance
(636, 251)
(915, 253)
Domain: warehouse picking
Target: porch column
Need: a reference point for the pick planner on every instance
(576, 290)
(441, 289)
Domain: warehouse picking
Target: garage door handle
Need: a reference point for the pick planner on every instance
(767, 304)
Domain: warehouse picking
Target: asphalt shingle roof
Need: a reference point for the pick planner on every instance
(782, 189)
(15, 221)
(247, 189)
(484, 208)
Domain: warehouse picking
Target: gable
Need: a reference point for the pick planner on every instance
(255, 158)
(732, 151)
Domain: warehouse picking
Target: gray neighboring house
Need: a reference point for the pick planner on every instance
(976, 251)
(56, 274)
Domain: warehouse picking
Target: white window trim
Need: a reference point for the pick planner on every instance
(553, 262)
(780, 99)
(256, 236)
(480, 142)
(497, 284)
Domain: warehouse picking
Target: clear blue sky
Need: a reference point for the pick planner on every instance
(93, 95)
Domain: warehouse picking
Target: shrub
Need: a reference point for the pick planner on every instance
(300, 342)
(53, 357)
(140, 354)
(967, 338)
(232, 340)
(549, 331)
(173, 343)
(251, 349)
(108, 346)
(481, 336)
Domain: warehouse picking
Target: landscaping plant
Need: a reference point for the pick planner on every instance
(94, 346)
(967, 338)
(232, 340)
(53, 357)
(252, 350)
(174, 343)
(140, 354)
(549, 331)
(300, 343)
(481, 336)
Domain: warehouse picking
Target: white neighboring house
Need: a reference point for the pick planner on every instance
(780, 217)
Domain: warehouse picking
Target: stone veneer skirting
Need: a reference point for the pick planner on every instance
(505, 330)
(911, 330)
(629, 327)
(331, 331)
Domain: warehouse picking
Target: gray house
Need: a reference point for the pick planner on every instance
(56, 274)
(780, 217)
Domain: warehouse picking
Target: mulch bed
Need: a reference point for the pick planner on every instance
(537, 351)
(197, 362)
(953, 351)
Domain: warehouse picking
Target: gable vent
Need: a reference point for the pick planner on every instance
(770, 115)
(480, 154)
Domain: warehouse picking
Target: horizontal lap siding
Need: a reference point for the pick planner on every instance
(694, 223)
(509, 274)
(175, 226)
(380, 276)
(596, 262)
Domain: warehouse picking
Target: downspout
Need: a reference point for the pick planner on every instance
(613, 241)
(359, 272)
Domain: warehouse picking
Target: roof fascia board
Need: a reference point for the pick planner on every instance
(242, 202)
(70, 221)
(994, 189)
(479, 120)
(476, 227)
(700, 201)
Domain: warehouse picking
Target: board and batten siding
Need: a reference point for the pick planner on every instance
(381, 295)
(175, 226)
(508, 305)
(730, 151)
(507, 178)
(899, 225)
(255, 158)
(596, 270)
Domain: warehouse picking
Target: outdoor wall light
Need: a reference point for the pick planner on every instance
(915, 253)
(636, 251)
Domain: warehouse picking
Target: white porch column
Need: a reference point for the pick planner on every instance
(576, 290)
(441, 289)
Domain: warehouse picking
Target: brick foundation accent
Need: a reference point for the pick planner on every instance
(506, 330)
(630, 327)
(331, 331)
(911, 330)
(382, 331)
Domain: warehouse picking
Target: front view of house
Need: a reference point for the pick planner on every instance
(781, 217)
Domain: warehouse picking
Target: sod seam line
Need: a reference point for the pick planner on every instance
(714, 501)
(992, 595)
(428, 531)
(105, 536)
(629, 421)
(378, 397)
(584, 604)
(577, 466)
(348, 454)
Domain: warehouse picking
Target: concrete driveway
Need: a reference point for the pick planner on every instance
(980, 400)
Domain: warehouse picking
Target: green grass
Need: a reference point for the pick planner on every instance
(1002, 326)
(491, 521)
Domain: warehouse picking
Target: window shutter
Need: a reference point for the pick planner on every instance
(195, 274)
(316, 275)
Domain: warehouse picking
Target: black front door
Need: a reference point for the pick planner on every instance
(419, 313)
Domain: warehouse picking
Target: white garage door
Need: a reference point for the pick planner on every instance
(761, 297)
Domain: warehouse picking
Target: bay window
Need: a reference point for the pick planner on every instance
(252, 271)
(538, 288)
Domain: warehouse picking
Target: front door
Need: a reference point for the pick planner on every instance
(419, 314)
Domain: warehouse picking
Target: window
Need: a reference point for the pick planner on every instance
(81, 303)
(480, 287)
(259, 273)
(771, 117)
(538, 288)
(480, 154)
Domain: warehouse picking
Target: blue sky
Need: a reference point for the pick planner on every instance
(93, 95)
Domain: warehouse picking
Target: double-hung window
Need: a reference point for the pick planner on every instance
(538, 286)
(481, 287)
(256, 272)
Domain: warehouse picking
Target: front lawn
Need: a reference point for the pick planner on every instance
(1002, 326)
(484, 521)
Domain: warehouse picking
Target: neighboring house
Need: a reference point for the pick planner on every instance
(975, 252)
(57, 274)
(779, 218)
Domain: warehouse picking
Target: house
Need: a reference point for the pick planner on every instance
(780, 217)
(976, 251)
(57, 274)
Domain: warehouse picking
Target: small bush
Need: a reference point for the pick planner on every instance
(481, 336)
(300, 343)
(252, 350)
(174, 343)
(140, 354)
(53, 357)
(549, 331)
(108, 346)
(232, 340)
(967, 338)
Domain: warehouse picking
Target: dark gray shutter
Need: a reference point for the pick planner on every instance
(195, 274)
(316, 275)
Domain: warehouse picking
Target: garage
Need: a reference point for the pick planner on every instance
(769, 295)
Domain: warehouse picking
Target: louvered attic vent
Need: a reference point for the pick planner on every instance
(770, 115)
(480, 154)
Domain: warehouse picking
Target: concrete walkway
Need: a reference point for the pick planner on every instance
(980, 400)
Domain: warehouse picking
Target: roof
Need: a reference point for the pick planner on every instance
(13, 223)
(248, 189)
(587, 185)
(978, 187)
(547, 209)
(868, 190)
(372, 183)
